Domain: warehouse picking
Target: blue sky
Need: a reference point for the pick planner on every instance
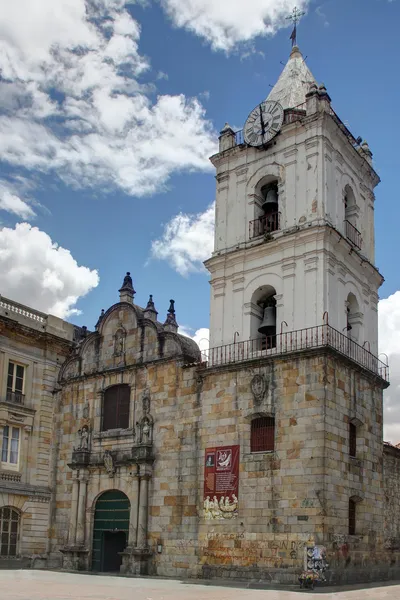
(109, 215)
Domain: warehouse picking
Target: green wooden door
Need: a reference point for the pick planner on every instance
(111, 515)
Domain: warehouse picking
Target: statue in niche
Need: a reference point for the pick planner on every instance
(146, 403)
(145, 430)
(109, 463)
(85, 411)
(119, 345)
(84, 436)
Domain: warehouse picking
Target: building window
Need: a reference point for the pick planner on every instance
(262, 437)
(352, 517)
(15, 383)
(9, 531)
(352, 440)
(10, 447)
(116, 405)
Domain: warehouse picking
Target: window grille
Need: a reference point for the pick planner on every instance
(263, 434)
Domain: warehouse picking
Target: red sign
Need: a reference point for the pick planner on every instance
(221, 482)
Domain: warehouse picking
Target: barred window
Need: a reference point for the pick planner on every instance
(262, 438)
(352, 517)
(116, 405)
(9, 531)
(352, 440)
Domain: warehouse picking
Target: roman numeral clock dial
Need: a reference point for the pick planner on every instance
(263, 123)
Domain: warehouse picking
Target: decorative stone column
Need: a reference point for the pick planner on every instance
(74, 513)
(133, 525)
(130, 562)
(144, 475)
(80, 529)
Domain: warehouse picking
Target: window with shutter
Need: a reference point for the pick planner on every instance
(262, 434)
(116, 404)
(352, 440)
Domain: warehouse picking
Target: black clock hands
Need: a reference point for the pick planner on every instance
(262, 122)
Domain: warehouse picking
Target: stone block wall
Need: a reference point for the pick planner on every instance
(289, 499)
(391, 471)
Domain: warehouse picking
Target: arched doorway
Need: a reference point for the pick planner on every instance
(110, 531)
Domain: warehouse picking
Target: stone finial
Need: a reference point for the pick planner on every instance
(367, 152)
(150, 310)
(317, 99)
(126, 292)
(99, 320)
(227, 138)
(170, 322)
(312, 99)
(313, 89)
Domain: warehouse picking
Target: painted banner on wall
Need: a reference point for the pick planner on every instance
(221, 482)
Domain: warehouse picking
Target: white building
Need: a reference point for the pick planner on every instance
(311, 252)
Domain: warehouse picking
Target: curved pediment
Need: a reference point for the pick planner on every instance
(126, 337)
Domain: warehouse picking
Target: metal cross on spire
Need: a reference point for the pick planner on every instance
(295, 18)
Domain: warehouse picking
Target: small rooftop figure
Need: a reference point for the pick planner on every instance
(127, 283)
(126, 292)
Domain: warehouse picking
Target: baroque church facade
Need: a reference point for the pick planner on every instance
(262, 457)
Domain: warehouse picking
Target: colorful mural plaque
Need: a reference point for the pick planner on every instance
(221, 482)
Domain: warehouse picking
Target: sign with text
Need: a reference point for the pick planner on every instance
(221, 482)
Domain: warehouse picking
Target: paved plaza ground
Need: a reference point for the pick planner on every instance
(42, 585)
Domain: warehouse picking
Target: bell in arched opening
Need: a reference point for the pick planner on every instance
(268, 325)
(270, 195)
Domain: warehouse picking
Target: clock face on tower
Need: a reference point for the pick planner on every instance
(263, 123)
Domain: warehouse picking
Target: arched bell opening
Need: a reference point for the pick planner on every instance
(270, 207)
(266, 207)
(353, 318)
(350, 205)
(263, 325)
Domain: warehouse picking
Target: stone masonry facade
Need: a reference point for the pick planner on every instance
(291, 499)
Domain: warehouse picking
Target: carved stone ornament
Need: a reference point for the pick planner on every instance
(84, 438)
(258, 388)
(146, 403)
(19, 418)
(145, 427)
(85, 411)
(109, 463)
(119, 340)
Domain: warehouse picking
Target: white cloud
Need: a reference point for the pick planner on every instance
(11, 202)
(187, 241)
(389, 342)
(227, 23)
(37, 272)
(73, 104)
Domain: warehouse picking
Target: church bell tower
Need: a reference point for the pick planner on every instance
(294, 221)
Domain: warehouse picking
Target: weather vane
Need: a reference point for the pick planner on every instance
(295, 18)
